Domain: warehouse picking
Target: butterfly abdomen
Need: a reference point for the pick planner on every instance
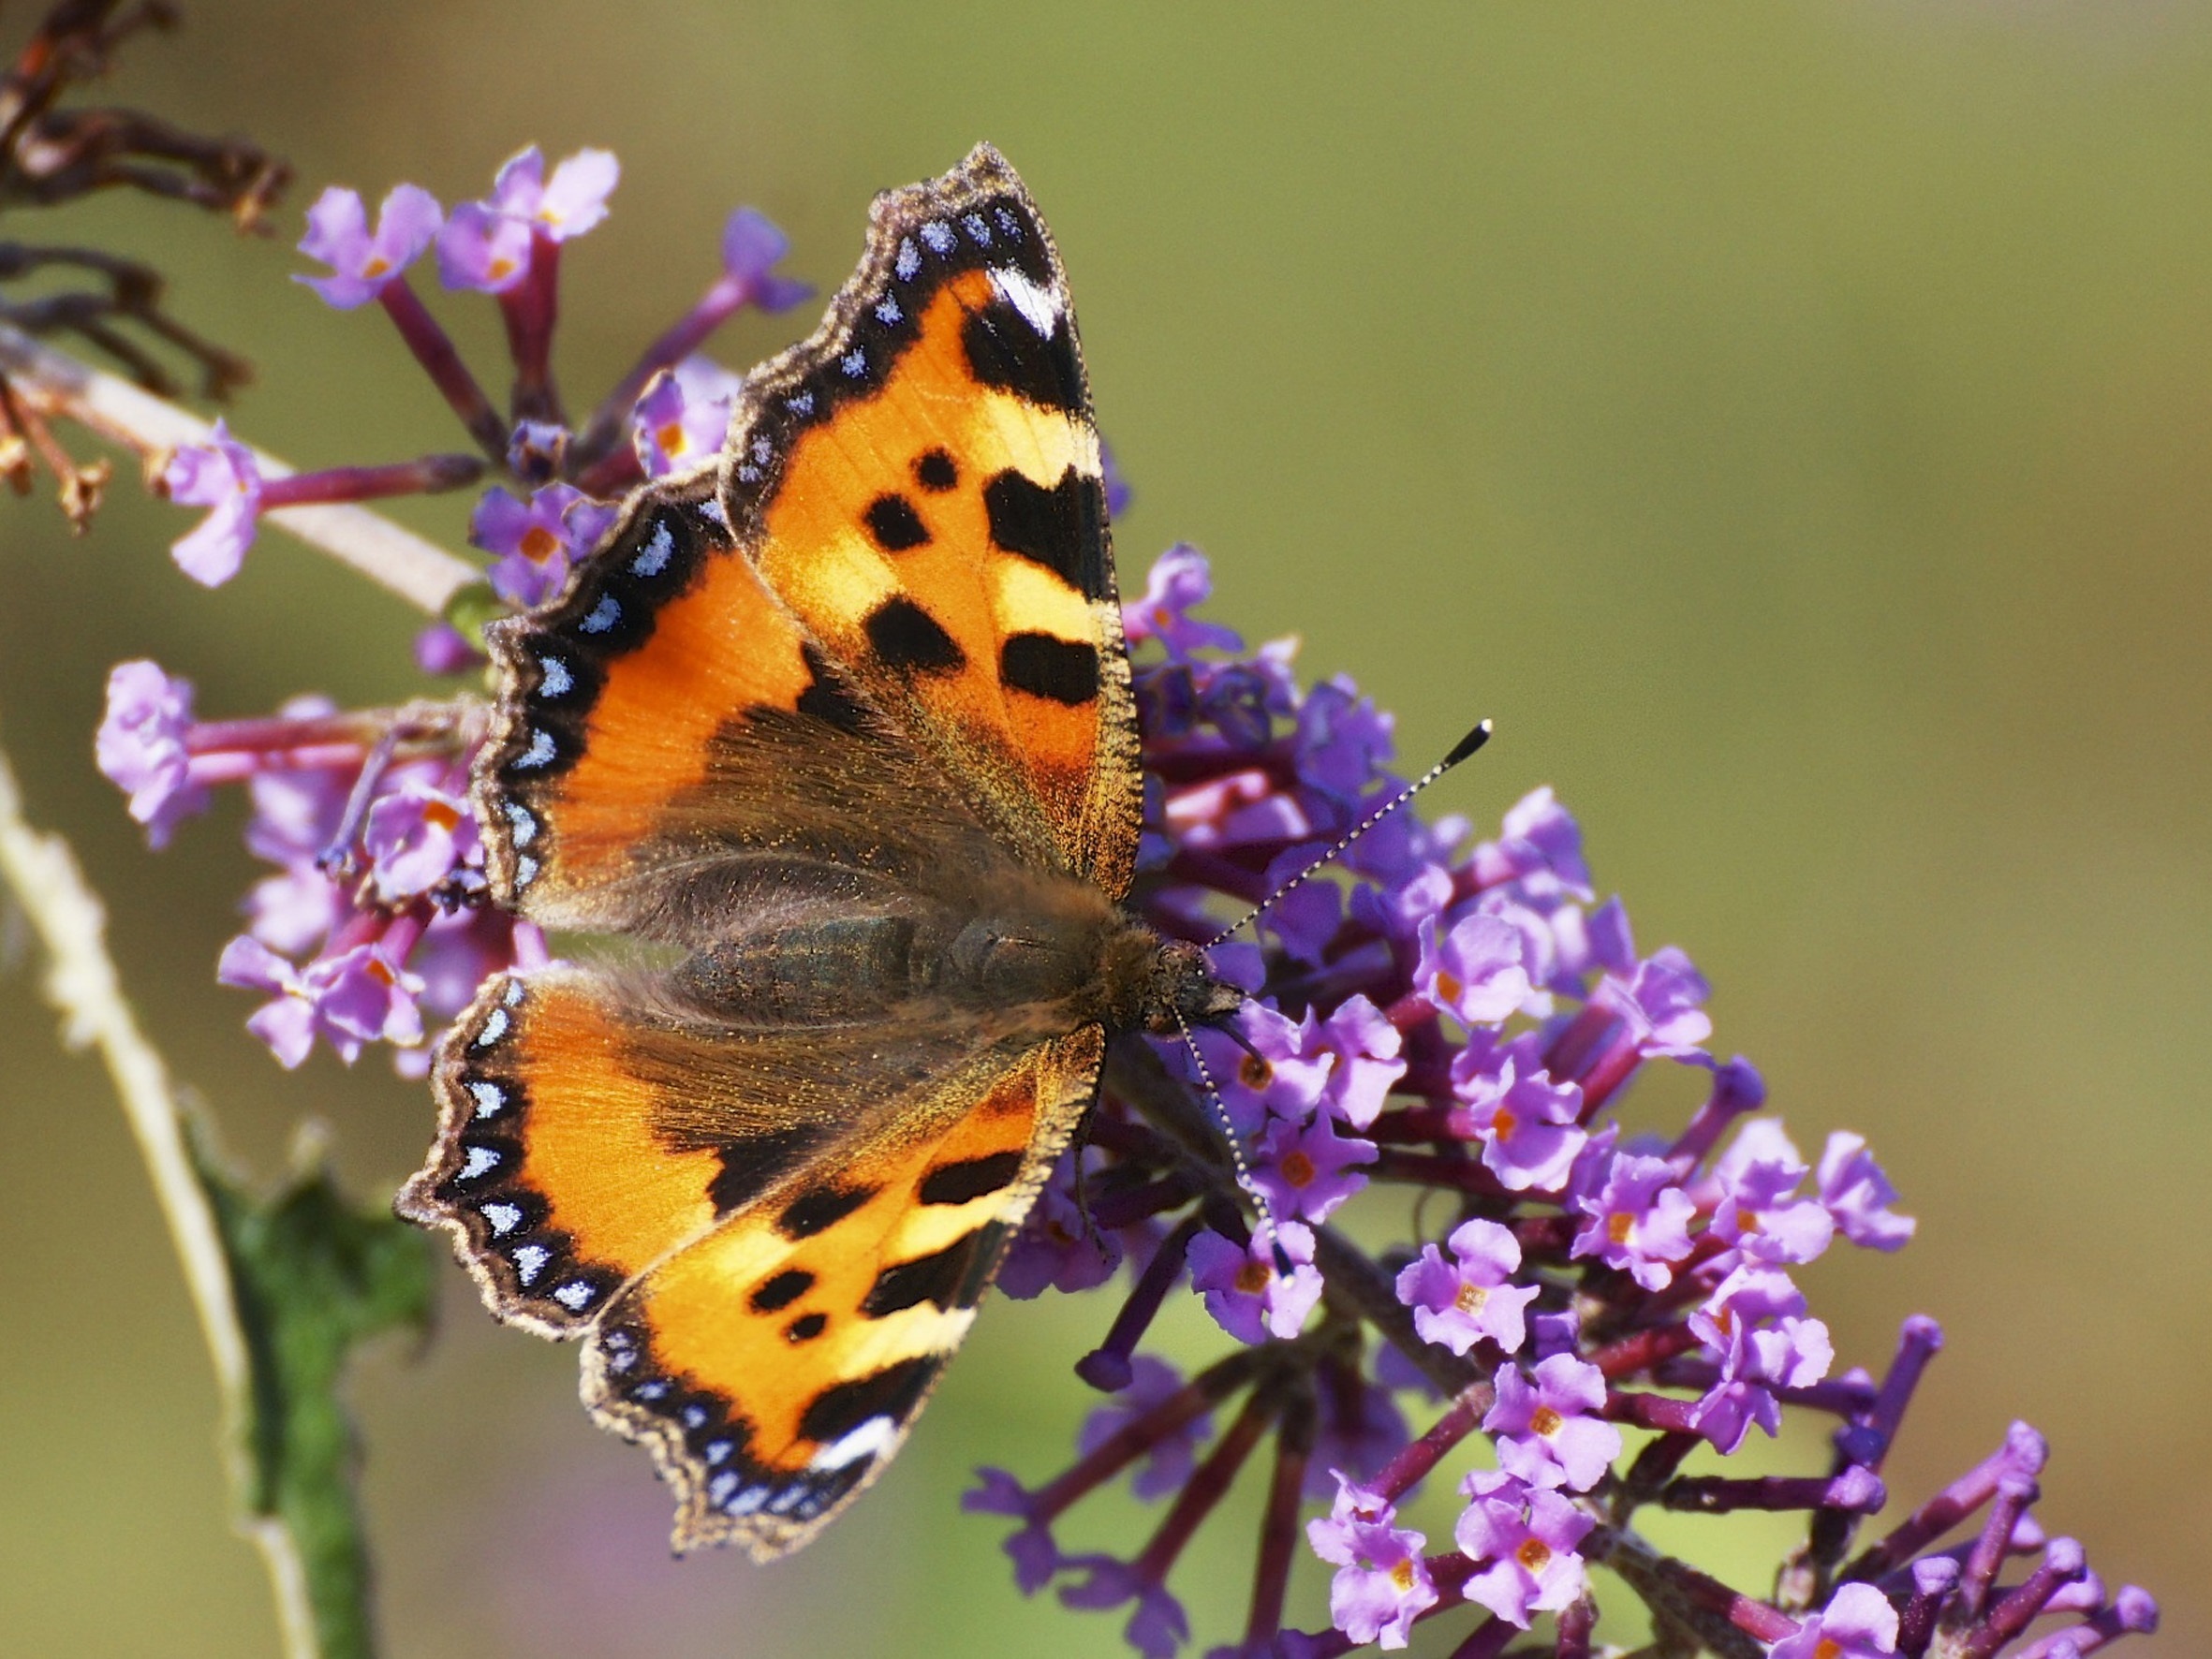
(830, 972)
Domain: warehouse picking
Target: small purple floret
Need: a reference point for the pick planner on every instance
(1547, 1433)
(224, 476)
(1167, 1465)
(1306, 1170)
(1858, 1195)
(1638, 1219)
(683, 417)
(363, 263)
(140, 747)
(1469, 1299)
(1527, 1536)
(1177, 583)
(1246, 1294)
(358, 997)
(1858, 1623)
(535, 543)
(417, 837)
(751, 247)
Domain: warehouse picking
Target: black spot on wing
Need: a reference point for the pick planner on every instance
(782, 1290)
(892, 1392)
(806, 1327)
(750, 1167)
(961, 1182)
(935, 472)
(982, 1263)
(895, 525)
(823, 1208)
(904, 636)
(1005, 352)
(1062, 528)
(1064, 670)
(826, 699)
(934, 1278)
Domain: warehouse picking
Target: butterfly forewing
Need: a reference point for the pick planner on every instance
(805, 719)
(925, 481)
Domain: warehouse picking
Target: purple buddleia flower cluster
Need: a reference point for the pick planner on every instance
(1582, 1308)
(371, 928)
(1572, 1311)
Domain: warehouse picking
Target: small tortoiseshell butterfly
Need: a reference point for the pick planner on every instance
(840, 735)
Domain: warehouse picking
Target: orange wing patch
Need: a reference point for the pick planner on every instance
(549, 1169)
(773, 1365)
(597, 735)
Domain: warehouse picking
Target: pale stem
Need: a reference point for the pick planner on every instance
(81, 983)
(417, 570)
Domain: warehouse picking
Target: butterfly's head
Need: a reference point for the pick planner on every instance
(1182, 991)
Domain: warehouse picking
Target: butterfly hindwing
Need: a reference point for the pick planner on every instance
(775, 1364)
(551, 1169)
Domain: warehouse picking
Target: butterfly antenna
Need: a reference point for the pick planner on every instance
(1283, 1264)
(1460, 751)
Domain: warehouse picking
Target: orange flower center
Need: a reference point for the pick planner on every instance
(1298, 1170)
(1546, 1421)
(1535, 1555)
(376, 265)
(540, 544)
(1402, 1574)
(1620, 1226)
(1253, 1276)
(1448, 986)
(1254, 1072)
(1471, 1298)
(440, 815)
(380, 973)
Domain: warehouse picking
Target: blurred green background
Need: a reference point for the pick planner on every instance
(1790, 423)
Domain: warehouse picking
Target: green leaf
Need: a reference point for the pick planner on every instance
(314, 1277)
(472, 607)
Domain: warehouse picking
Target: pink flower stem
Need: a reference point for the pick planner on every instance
(1578, 1621)
(1650, 1411)
(1854, 1492)
(1397, 1477)
(685, 335)
(1210, 763)
(531, 308)
(1642, 1349)
(1119, 1210)
(1461, 1175)
(2063, 1564)
(1678, 1593)
(1106, 1367)
(1278, 1521)
(236, 764)
(434, 350)
(1207, 1485)
(426, 477)
(2022, 1452)
(1140, 1434)
(1984, 1562)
